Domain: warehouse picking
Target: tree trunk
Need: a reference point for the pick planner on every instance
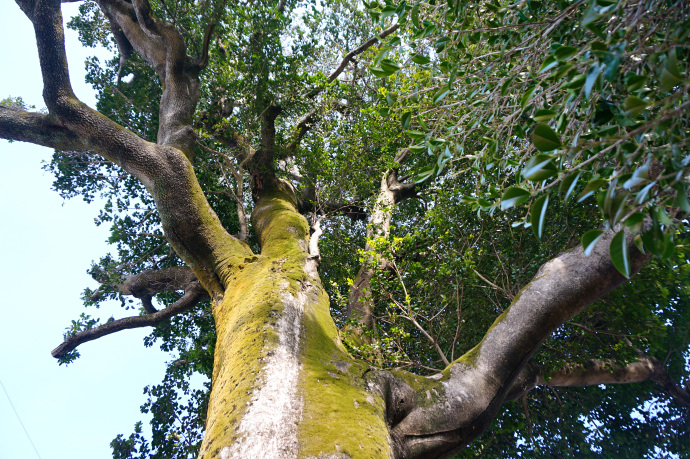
(283, 385)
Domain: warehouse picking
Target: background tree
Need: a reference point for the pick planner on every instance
(245, 162)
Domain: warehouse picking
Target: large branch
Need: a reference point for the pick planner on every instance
(460, 404)
(164, 48)
(597, 371)
(190, 299)
(38, 128)
(190, 224)
(391, 191)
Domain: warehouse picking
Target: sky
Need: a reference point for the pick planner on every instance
(46, 246)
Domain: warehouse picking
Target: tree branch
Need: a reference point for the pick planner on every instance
(351, 55)
(38, 128)
(190, 299)
(305, 123)
(163, 47)
(597, 371)
(470, 391)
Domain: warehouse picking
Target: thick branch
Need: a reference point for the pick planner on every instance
(595, 372)
(40, 129)
(188, 221)
(46, 17)
(163, 47)
(190, 299)
(472, 388)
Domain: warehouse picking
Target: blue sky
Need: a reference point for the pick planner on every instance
(46, 245)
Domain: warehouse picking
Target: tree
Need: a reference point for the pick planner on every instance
(244, 162)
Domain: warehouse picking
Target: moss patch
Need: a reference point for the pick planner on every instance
(340, 416)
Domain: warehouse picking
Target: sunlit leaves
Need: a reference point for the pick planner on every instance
(590, 239)
(514, 196)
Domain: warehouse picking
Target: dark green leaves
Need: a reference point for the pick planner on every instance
(514, 196)
(405, 119)
(670, 74)
(634, 105)
(420, 59)
(544, 138)
(568, 184)
(590, 239)
(591, 187)
(539, 167)
(538, 215)
(619, 253)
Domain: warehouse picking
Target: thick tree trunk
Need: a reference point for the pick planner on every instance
(283, 385)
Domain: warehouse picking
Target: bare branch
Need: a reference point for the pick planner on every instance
(352, 54)
(46, 17)
(597, 371)
(189, 300)
(305, 123)
(40, 129)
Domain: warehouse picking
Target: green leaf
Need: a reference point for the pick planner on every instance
(618, 208)
(415, 16)
(591, 79)
(380, 55)
(425, 173)
(634, 222)
(591, 187)
(639, 176)
(441, 94)
(379, 72)
(619, 253)
(443, 159)
(568, 184)
(544, 138)
(505, 87)
(420, 59)
(527, 97)
(565, 53)
(634, 105)
(549, 63)
(416, 134)
(543, 115)
(538, 215)
(405, 119)
(642, 194)
(384, 112)
(514, 196)
(389, 66)
(670, 75)
(590, 239)
(576, 82)
(634, 82)
(681, 201)
(539, 167)
(418, 148)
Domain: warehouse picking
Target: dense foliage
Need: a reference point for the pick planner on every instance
(529, 127)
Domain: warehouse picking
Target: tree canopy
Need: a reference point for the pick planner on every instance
(491, 194)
